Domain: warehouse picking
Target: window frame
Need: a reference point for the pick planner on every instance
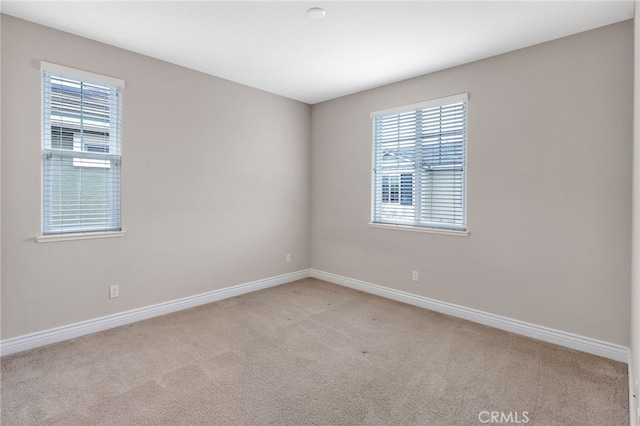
(45, 120)
(414, 225)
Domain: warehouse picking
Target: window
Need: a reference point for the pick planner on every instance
(420, 164)
(80, 151)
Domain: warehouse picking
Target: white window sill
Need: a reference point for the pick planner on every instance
(79, 236)
(420, 229)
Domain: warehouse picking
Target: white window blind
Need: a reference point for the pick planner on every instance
(420, 164)
(81, 151)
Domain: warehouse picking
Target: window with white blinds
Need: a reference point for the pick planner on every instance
(420, 164)
(80, 151)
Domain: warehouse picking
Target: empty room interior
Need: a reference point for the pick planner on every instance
(293, 213)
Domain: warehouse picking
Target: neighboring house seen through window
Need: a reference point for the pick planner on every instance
(397, 189)
(420, 164)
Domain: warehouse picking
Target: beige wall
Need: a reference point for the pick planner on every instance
(549, 188)
(215, 186)
(549, 193)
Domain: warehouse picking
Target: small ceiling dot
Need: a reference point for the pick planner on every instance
(316, 13)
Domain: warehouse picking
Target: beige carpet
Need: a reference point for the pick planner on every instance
(309, 353)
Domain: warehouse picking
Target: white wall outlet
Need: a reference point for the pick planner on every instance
(114, 291)
(288, 258)
(415, 275)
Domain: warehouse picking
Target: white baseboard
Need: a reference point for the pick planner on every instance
(58, 334)
(569, 340)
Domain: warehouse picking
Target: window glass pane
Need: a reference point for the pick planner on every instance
(81, 197)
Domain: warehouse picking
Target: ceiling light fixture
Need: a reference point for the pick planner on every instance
(316, 13)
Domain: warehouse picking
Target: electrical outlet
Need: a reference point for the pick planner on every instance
(114, 291)
(415, 275)
(288, 258)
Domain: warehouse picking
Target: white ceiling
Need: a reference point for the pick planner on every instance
(275, 46)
